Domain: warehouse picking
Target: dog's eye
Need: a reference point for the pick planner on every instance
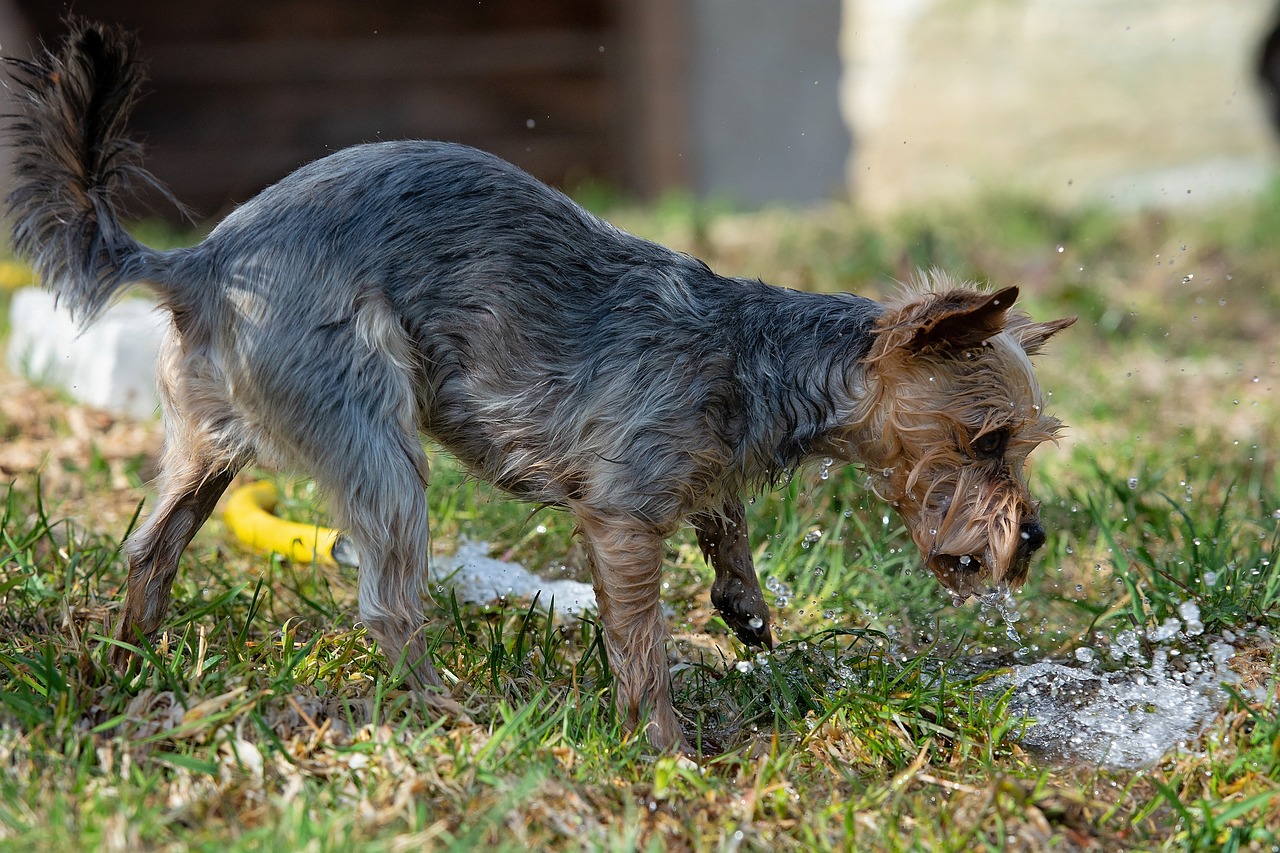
(991, 445)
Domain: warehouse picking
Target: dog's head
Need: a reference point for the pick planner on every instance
(952, 411)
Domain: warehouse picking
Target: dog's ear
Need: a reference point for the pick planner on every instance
(1032, 336)
(954, 319)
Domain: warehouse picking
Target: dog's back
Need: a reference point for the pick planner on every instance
(526, 326)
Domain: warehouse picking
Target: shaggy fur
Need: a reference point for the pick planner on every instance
(409, 287)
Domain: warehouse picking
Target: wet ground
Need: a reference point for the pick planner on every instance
(1125, 706)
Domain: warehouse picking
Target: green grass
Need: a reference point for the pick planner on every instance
(263, 721)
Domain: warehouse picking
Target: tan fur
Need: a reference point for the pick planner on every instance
(949, 367)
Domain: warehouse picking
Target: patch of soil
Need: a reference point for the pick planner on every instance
(88, 463)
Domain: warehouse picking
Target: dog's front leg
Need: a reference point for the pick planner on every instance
(626, 570)
(736, 591)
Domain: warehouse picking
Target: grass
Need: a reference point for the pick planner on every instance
(263, 721)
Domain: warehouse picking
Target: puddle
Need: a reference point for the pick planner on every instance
(478, 578)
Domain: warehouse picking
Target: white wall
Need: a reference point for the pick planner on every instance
(764, 100)
(1130, 101)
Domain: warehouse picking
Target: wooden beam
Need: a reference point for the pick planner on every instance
(651, 66)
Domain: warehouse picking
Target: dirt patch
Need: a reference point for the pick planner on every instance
(88, 463)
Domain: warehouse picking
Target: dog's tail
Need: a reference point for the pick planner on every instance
(72, 162)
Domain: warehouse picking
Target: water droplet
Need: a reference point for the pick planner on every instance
(1165, 631)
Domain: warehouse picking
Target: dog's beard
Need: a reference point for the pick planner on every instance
(968, 524)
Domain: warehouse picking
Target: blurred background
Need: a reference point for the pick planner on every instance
(888, 103)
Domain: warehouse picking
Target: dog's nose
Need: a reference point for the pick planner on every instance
(1032, 536)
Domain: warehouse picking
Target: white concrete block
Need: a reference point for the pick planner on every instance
(111, 365)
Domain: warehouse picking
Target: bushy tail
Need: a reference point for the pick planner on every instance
(72, 161)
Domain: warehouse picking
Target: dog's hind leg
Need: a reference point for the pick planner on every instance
(626, 570)
(355, 428)
(192, 479)
(368, 460)
(378, 497)
(195, 469)
(736, 590)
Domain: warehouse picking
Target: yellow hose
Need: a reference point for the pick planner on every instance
(248, 515)
(14, 275)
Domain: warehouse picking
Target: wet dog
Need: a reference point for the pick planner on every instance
(402, 288)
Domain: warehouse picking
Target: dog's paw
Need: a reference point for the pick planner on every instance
(440, 704)
(122, 659)
(743, 609)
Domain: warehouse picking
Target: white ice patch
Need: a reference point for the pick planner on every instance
(478, 578)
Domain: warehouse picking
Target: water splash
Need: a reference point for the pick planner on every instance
(1127, 718)
(1000, 599)
(781, 592)
(1123, 720)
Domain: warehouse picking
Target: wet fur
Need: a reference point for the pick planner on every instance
(409, 287)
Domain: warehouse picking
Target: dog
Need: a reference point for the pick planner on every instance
(408, 287)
